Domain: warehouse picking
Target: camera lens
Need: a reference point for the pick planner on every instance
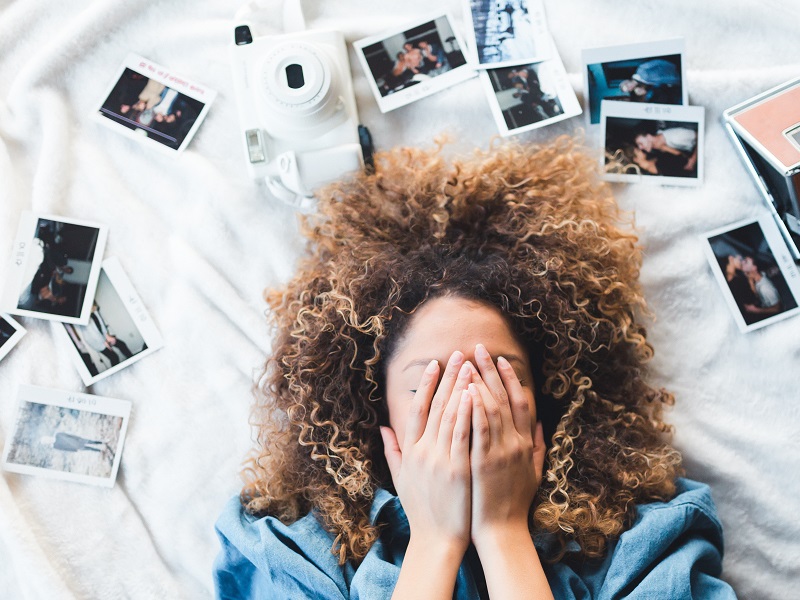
(294, 76)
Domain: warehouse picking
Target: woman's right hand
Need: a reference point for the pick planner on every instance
(431, 472)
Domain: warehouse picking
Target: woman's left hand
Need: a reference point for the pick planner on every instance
(507, 455)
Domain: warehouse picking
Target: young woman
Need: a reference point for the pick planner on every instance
(456, 404)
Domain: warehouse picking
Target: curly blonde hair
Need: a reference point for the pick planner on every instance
(530, 230)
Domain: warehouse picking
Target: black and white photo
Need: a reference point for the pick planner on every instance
(652, 143)
(649, 72)
(507, 32)
(10, 334)
(529, 96)
(413, 61)
(120, 330)
(67, 435)
(149, 102)
(55, 266)
(755, 271)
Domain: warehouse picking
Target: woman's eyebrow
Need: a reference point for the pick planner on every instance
(423, 362)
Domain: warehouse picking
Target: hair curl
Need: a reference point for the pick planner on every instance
(528, 229)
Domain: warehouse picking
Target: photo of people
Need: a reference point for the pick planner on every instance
(649, 72)
(652, 142)
(746, 260)
(52, 438)
(151, 103)
(10, 334)
(112, 340)
(530, 96)
(57, 267)
(413, 62)
(159, 112)
(507, 32)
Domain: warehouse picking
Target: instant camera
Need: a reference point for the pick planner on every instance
(297, 111)
(766, 133)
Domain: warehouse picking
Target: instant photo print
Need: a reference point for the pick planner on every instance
(507, 32)
(530, 96)
(150, 103)
(755, 272)
(413, 61)
(652, 143)
(10, 334)
(766, 133)
(67, 435)
(55, 264)
(648, 72)
(120, 331)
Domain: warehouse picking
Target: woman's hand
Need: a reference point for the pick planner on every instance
(508, 448)
(431, 473)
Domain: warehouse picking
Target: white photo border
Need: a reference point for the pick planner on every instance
(163, 75)
(19, 332)
(604, 54)
(135, 307)
(545, 50)
(566, 96)
(425, 88)
(77, 401)
(783, 259)
(26, 232)
(654, 112)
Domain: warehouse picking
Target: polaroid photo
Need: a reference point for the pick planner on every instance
(10, 333)
(149, 102)
(755, 270)
(67, 435)
(649, 72)
(526, 97)
(120, 331)
(413, 61)
(652, 143)
(54, 270)
(508, 32)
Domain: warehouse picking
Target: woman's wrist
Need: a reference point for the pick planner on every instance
(502, 535)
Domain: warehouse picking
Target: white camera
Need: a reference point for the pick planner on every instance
(297, 111)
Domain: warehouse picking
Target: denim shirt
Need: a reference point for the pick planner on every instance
(673, 550)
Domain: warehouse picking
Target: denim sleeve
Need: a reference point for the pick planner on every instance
(673, 551)
(263, 558)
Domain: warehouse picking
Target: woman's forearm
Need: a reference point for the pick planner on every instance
(512, 566)
(429, 571)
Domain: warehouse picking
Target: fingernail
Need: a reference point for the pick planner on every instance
(432, 366)
(456, 358)
(481, 349)
(502, 362)
(473, 389)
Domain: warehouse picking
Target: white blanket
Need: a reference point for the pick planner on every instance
(200, 244)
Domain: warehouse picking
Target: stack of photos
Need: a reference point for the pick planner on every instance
(638, 95)
(413, 61)
(508, 43)
(755, 270)
(10, 334)
(65, 435)
(57, 274)
(146, 101)
(522, 74)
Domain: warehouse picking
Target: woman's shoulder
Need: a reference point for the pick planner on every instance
(675, 545)
(262, 557)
